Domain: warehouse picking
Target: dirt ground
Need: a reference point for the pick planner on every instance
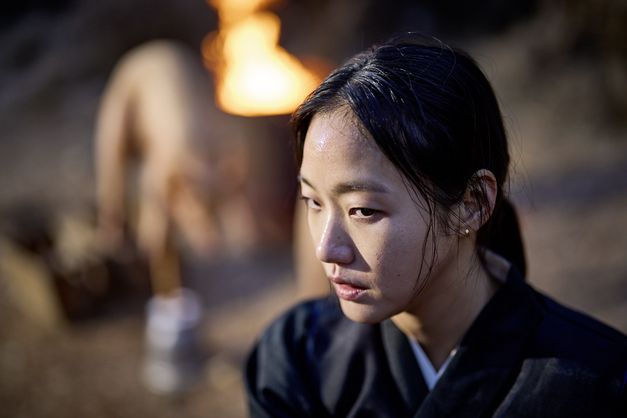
(569, 182)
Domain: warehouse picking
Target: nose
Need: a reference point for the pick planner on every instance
(334, 245)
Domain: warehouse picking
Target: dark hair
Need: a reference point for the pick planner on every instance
(433, 113)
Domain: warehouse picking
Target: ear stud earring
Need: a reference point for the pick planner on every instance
(466, 232)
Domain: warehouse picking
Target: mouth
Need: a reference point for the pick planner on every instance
(348, 290)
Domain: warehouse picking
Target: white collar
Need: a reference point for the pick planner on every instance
(429, 373)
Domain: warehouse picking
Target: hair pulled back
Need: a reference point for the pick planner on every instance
(432, 112)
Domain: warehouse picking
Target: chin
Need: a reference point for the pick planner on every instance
(362, 313)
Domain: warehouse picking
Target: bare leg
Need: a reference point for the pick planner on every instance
(154, 233)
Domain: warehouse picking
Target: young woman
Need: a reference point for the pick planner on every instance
(403, 159)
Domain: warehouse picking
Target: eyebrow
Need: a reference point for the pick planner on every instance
(352, 187)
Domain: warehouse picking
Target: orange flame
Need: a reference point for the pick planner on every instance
(254, 75)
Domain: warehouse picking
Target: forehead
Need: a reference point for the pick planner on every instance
(337, 132)
(338, 150)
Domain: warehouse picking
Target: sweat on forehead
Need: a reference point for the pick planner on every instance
(343, 122)
(335, 131)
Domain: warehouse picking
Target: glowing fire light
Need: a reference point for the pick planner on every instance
(254, 75)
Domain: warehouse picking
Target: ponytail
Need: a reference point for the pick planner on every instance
(502, 235)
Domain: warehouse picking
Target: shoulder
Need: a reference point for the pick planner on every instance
(575, 361)
(302, 320)
(570, 364)
(311, 328)
(567, 333)
(308, 348)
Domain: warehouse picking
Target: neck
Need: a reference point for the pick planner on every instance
(445, 309)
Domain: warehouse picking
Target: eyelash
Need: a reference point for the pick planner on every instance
(309, 202)
(354, 212)
(370, 215)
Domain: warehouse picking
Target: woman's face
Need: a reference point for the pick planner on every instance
(369, 232)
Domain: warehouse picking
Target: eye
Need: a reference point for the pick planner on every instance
(310, 203)
(363, 213)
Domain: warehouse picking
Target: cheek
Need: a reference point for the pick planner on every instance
(395, 251)
(403, 254)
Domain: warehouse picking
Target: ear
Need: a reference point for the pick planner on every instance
(478, 202)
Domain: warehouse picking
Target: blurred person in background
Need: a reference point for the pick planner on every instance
(157, 122)
(403, 161)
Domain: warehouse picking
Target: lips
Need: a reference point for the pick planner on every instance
(348, 290)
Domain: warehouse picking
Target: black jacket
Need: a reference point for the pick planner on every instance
(524, 356)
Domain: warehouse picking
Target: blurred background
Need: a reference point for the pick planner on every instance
(72, 316)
